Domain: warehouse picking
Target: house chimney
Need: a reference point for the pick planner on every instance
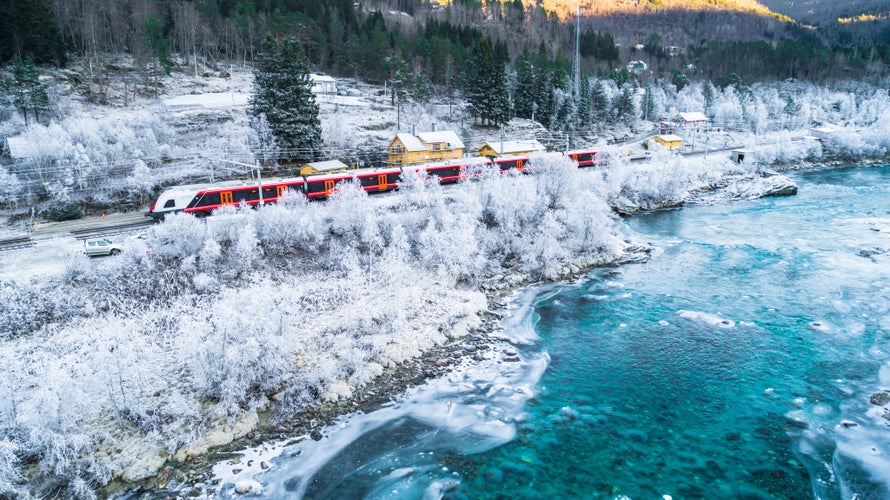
(434, 126)
(414, 129)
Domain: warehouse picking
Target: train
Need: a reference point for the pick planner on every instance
(203, 199)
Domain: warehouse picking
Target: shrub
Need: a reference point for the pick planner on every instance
(65, 211)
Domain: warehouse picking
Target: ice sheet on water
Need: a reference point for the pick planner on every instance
(472, 409)
(710, 319)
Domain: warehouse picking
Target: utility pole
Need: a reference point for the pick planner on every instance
(259, 180)
(576, 61)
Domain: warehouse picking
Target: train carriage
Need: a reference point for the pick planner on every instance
(207, 200)
(372, 180)
(585, 158)
(511, 163)
(454, 170)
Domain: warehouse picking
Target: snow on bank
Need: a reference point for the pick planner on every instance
(177, 346)
(447, 406)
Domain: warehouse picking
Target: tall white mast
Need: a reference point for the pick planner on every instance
(576, 62)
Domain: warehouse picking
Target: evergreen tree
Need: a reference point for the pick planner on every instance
(422, 90)
(625, 109)
(524, 93)
(679, 79)
(543, 82)
(283, 94)
(29, 94)
(648, 104)
(584, 104)
(29, 28)
(599, 103)
(154, 36)
(708, 95)
(485, 84)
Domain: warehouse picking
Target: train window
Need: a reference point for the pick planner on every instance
(170, 203)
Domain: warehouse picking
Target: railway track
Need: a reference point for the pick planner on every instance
(80, 230)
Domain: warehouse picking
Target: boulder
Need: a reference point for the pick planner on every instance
(879, 398)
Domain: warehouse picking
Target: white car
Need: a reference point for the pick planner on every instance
(101, 246)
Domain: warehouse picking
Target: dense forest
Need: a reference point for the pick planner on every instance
(433, 39)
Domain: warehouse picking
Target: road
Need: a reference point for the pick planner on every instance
(87, 227)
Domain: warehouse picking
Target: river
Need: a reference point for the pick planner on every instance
(738, 362)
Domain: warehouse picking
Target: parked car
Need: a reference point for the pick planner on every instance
(101, 246)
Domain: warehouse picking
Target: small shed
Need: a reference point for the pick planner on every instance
(739, 155)
(323, 84)
(511, 148)
(670, 142)
(323, 167)
(21, 149)
(822, 133)
(693, 119)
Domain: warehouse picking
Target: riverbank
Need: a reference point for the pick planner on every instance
(195, 477)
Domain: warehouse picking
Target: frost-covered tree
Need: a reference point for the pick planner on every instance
(599, 103)
(625, 108)
(283, 94)
(485, 83)
(29, 94)
(524, 105)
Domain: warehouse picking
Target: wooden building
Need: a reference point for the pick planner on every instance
(511, 148)
(323, 167)
(670, 142)
(425, 147)
(693, 119)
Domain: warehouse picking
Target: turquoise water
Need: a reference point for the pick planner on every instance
(737, 363)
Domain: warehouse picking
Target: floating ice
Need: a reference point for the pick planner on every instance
(711, 319)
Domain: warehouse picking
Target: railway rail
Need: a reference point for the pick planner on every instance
(80, 230)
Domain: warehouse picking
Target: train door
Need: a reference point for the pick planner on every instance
(279, 191)
(225, 198)
(463, 171)
(382, 182)
(519, 165)
(328, 187)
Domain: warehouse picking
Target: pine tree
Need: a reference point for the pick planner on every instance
(524, 94)
(422, 88)
(648, 104)
(29, 94)
(599, 103)
(584, 105)
(543, 82)
(485, 84)
(154, 37)
(283, 94)
(625, 109)
(708, 95)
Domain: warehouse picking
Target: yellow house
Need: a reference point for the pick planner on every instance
(511, 148)
(323, 167)
(670, 142)
(408, 149)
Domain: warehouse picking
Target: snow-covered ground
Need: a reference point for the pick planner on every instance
(117, 365)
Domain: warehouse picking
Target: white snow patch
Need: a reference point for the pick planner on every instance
(710, 319)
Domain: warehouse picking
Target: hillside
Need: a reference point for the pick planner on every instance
(860, 22)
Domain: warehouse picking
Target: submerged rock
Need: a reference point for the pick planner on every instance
(879, 398)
